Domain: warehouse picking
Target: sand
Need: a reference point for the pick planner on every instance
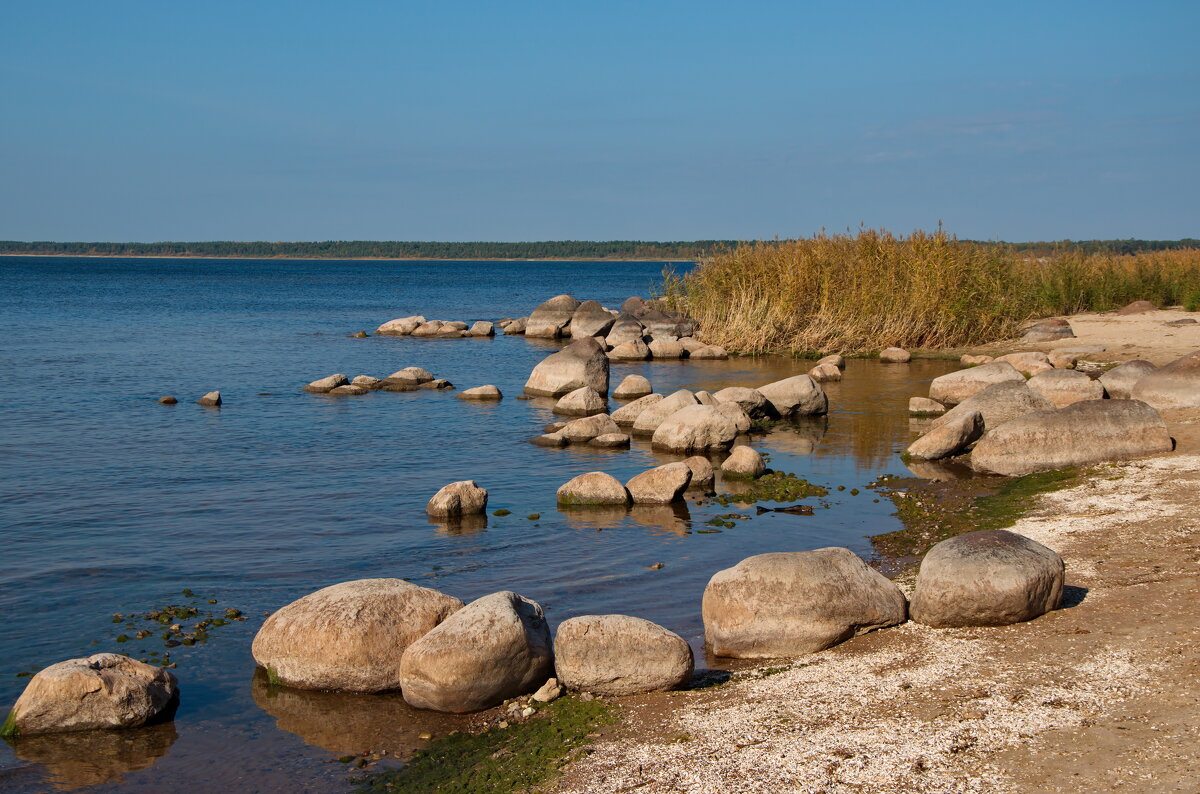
(1125, 337)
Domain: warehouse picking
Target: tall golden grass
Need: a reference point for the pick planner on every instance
(860, 293)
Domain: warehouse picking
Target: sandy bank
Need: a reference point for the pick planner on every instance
(1126, 337)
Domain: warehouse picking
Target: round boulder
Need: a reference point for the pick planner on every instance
(1176, 385)
(632, 387)
(703, 475)
(895, 355)
(590, 319)
(790, 603)
(105, 690)
(823, 373)
(743, 463)
(462, 498)
(734, 413)
(349, 636)
(1118, 381)
(488, 392)
(610, 441)
(583, 430)
(626, 328)
(988, 578)
(1065, 386)
(593, 488)
(366, 381)
(661, 348)
(496, 647)
(655, 413)
(584, 401)
(630, 351)
(835, 359)
(752, 401)
(620, 655)
(661, 485)
(710, 352)
(697, 428)
(798, 395)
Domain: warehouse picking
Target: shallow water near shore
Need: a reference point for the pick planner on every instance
(113, 503)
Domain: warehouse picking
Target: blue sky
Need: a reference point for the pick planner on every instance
(558, 120)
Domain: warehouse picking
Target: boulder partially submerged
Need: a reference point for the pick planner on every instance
(798, 395)
(461, 498)
(548, 320)
(949, 438)
(632, 387)
(661, 485)
(696, 428)
(743, 463)
(579, 364)
(596, 488)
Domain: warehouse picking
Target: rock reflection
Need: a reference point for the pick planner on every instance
(799, 436)
(89, 758)
(347, 723)
(462, 525)
(594, 516)
(940, 470)
(674, 519)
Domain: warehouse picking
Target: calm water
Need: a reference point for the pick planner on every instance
(113, 503)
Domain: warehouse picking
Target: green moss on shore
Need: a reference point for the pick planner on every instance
(775, 486)
(515, 758)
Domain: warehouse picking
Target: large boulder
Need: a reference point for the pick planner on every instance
(494, 648)
(697, 428)
(1078, 435)
(584, 401)
(949, 438)
(798, 395)
(734, 413)
(326, 385)
(632, 387)
(593, 488)
(954, 387)
(402, 326)
(790, 603)
(626, 328)
(654, 414)
(581, 363)
(580, 431)
(1176, 385)
(590, 319)
(461, 498)
(1118, 381)
(1065, 386)
(620, 655)
(999, 403)
(1048, 331)
(636, 350)
(548, 320)
(628, 414)
(752, 401)
(105, 690)
(703, 475)
(482, 328)
(666, 349)
(349, 636)
(1030, 363)
(743, 463)
(661, 485)
(988, 578)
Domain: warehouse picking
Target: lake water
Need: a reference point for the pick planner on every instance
(113, 503)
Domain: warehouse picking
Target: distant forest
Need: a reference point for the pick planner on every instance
(557, 249)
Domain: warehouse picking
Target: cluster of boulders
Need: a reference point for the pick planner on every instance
(661, 485)
(407, 379)
(1033, 411)
(417, 325)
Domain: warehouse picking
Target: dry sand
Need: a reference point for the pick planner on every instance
(1125, 337)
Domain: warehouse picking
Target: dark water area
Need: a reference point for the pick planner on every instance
(112, 503)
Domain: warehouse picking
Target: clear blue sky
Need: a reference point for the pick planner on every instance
(449, 120)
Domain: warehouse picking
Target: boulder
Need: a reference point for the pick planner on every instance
(349, 636)
(488, 392)
(481, 328)
(711, 352)
(988, 578)
(210, 400)
(402, 326)
(1118, 381)
(462, 498)
(1065, 386)
(798, 395)
(999, 403)
(580, 431)
(620, 655)
(102, 691)
(548, 320)
(734, 413)
(516, 327)
(743, 463)
(1137, 307)
(414, 375)
(835, 359)
(923, 406)
(661, 485)
(457, 325)
(969, 360)
(553, 427)
(1176, 385)
(633, 305)
(752, 401)
(447, 332)
(895, 355)
(1078, 435)
(665, 349)
(494, 648)
(790, 603)
(632, 387)
(366, 381)
(823, 373)
(703, 475)
(630, 351)
(549, 440)
(697, 428)
(437, 384)
(590, 319)
(626, 328)
(949, 438)
(704, 398)
(168, 400)
(581, 363)
(628, 414)
(1029, 363)
(1048, 331)
(663, 324)
(954, 387)
(1063, 360)
(427, 329)
(691, 345)
(584, 401)
(349, 390)
(653, 415)
(593, 488)
(610, 441)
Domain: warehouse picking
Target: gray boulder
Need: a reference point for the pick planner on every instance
(1176, 385)
(999, 403)
(955, 387)
(1078, 435)
(482, 328)
(349, 390)
(462, 498)
(632, 387)
(494, 648)
(696, 428)
(1065, 386)
(620, 655)
(661, 485)
(626, 328)
(798, 395)
(593, 489)
(664, 349)
(1119, 381)
(791, 603)
(590, 319)
(752, 401)
(949, 438)
(580, 431)
(581, 363)
(413, 375)
(548, 320)
(627, 414)
(1048, 331)
(430, 328)
(516, 327)
(989, 578)
(654, 414)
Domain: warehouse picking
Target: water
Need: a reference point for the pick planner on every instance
(113, 503)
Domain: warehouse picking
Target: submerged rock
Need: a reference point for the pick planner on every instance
(548, 320)
(488, 392)
(798, 395)
(620, 655)
(458, 499)
(949, 438)
(610, 441)
(584, 401)
(210, 400)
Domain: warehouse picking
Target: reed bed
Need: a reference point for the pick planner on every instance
(860, 293)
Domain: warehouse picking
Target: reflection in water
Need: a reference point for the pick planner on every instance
(461, 525)
(88, 758)
(346, 724)
(593, 516)
(799, 436)
(940, 470)
(674, 519)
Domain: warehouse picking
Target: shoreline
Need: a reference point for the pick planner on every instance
(342, 259)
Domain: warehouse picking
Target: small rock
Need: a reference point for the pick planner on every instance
(210, 400)
(548, 692)
(168, 400)
(1048, 331)
(482, 328)
(488, 392)
(583, 401)
(325, 385)
(662, 349)
(359, 335)
(969, 360)
(366, 381)
(437, 384)
(628, 414)
(348, 390)
(823, 373)
(835, 359)
(458, 499)
(593, 488)
(610, 441)
(632, 387)
(743, 463)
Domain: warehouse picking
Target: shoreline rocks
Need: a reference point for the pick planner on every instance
(955, 387)
(798, 395)
(579, 364)
(461, 498)
(632, 387)
(661, 485)
(1176, 385)
(895, 355)
(1119, 381)
(696, 428)
(618, 655)
(596, 488)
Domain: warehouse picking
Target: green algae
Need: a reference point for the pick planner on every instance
(9, 728)
(775, 486)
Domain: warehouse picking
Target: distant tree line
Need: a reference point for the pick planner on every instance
(552, 249)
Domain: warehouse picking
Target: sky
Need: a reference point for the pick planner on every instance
(407, 120)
